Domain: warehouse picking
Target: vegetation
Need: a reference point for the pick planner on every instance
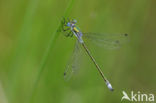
(33, 55)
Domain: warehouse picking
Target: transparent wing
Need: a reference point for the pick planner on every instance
(73, 63)
(110, 41)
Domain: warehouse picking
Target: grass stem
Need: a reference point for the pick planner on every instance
(47, 51)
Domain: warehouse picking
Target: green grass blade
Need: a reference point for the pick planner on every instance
(22, 45)
(47, 52)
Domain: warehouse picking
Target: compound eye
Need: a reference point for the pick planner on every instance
(68, 24)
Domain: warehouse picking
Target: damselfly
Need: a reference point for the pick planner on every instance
(107, 40)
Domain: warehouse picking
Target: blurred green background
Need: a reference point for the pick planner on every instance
(26, 27)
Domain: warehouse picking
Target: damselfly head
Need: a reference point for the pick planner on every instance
(68, 24)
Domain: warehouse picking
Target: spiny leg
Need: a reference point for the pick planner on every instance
(69, 34)
(64, 21)
(65, 29)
